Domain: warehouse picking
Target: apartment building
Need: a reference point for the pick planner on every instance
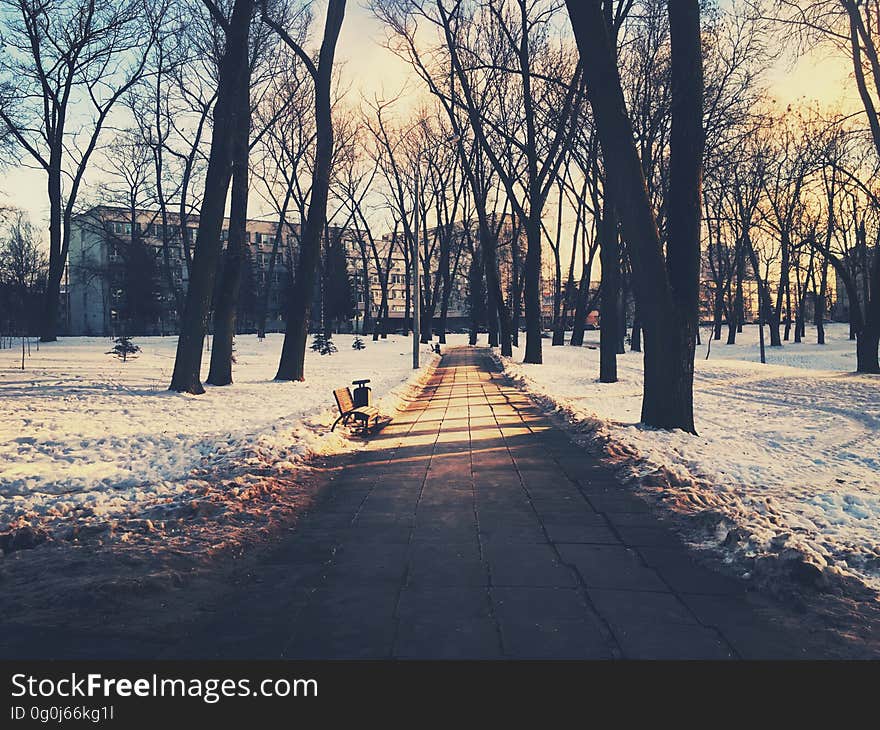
(118, 280)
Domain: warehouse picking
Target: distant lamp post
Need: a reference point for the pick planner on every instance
(414, 256)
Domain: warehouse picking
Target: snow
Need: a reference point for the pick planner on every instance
(87, 438)
(787, 458)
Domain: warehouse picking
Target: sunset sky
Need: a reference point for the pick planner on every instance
(371, 70)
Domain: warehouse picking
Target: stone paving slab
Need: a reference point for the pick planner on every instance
(472, 527)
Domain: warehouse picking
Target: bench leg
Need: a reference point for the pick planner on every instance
(336, 422)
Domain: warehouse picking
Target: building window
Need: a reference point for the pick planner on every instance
(120, 228)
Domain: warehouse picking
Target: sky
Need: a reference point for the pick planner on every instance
(368, 69)
(371, 70)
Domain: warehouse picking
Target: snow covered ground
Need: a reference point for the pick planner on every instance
(787, 462)
(85, 438)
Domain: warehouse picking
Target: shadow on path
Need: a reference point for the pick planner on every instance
(474, 528)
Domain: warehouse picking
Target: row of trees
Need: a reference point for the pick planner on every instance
(23, 272)
(788, 207)
(643, 125)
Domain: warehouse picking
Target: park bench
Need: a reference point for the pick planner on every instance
(367, 417)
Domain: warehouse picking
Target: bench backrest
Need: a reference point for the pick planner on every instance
(343, 400)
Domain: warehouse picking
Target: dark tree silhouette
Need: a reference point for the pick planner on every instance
(293, 351)
(59, 51)
(667, 287)
(336, 284)
(227, 111)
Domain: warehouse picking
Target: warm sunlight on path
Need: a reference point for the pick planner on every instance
(473, 528)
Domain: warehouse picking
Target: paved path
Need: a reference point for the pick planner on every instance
(474, 528)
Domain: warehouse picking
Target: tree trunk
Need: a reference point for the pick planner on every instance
(668, 289)
(774, 312)
(263, 310)
(476, 298)
(582, 310)
(380, 329)
(609, 309)
(787, 331)
(773, 325)
(234, 64)
(516, 303)
(429, 309)
(166, 235)
(533, 353)
(622, 301)
(497, 308)
(517, 281)
(718, 311)
(446, 292)
(293, 352)
(735, 315)
(427, 325)
(49, 320)
(800, 305)
(732, 325)
(441, 324)
(226, 297)
(51, 304)
(493, 323)
(367, 322)
(820, 305)
(867, 343)
(226, 303)
(580, 313)
(636, 338)
(867, 346)
(558, 316)
(766, 310)
(407, 283)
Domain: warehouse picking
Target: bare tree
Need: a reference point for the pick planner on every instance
(490, 67)
(518, 38)
(292, 365)
(285, 158)
(668, 287)
(397, 154)
(67, 54)
(851, 27)
(23, 270)
(236, 255)
(853, 222)
(170, 106)
(228, 111)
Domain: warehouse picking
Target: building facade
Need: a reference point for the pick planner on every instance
(859, 263)
(128, 274)
(119, 280)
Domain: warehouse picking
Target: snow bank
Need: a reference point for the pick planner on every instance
(787, 462)
(88, 438)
